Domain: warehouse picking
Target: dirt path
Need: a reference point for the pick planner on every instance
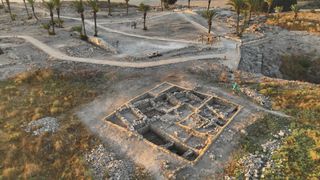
(59, 55)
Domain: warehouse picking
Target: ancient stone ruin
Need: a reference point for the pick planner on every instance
(179, 121)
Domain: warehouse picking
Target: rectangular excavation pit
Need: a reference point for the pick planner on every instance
(166, 143)
(211, 116)
(176, 132)
(141, 98)
(128, 114)
(184, 111)
(222, 107)
(165, 103)
(196, 142)
(200, 124)
(115, 120)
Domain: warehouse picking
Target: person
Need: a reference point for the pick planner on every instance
(235, 87)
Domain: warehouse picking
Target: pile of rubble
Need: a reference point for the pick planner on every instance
(257, 97)
(105, 165)
(44, 125)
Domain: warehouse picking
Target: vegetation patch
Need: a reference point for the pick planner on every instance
(305, 21)
(37, 94)
(301, 67)
(299, 154)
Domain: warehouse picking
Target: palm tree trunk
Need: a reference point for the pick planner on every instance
(52, 21)
(109, 8)
(58, 13)
(83, 25)
(189, 4)
(161, 4)
(34, 14)
(95, 23)
(209, 3)
(25, 6)
(238, 21)
(9, 9)
(127, 4)
(144, 21)
(209, 29)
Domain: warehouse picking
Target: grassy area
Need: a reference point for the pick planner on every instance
(306, 21)
(37, 94)
(299, 155)
(301, 67)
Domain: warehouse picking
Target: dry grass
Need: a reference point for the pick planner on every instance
(306, 21)
(37, 94)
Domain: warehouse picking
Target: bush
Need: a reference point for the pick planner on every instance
(286, 4)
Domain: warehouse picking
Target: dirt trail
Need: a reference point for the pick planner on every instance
(59, 55)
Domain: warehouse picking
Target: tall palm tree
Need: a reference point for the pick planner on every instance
(9, 9)
(162, 4)
(295, 9)
(189, 4)
(127, 6)
(270, 3)
(32, 2)
(25, 6)
(95, 8)
(58, 4)
(251, 6)
(237, 5)
(209, 15)
(109, 8)
(144, 8)
(50, 6)
(80, 9)
(209, 3)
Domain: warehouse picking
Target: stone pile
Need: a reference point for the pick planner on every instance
(44, 125)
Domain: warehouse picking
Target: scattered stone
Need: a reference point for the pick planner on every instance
(41, 126)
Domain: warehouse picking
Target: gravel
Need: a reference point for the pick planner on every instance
(41, 126)
(105, 165)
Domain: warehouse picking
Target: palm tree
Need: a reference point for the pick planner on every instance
(127, 6)
(109, 8)
(80, 9)
(162, 4)
(3, 3)
(25, 6)
(295, 9)
(251, 5)
(144, 8)
(32, 2)
(270, 3)
(95, 8)
(9, 9)
(50, 6)
(209, 3)
(189, 4)
(58, 4)
(237, 5)
(209, 15)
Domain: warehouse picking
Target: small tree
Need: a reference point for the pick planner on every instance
(9, 9)
(50, 6)
(237, 5)
(270, 3)
(32, 2)
(78, 4)
(58, 4)
(25, 6)
(209, 16)
(295, 9)
(144, 8)
(127, 6)
(278, 10)
(95, 9)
